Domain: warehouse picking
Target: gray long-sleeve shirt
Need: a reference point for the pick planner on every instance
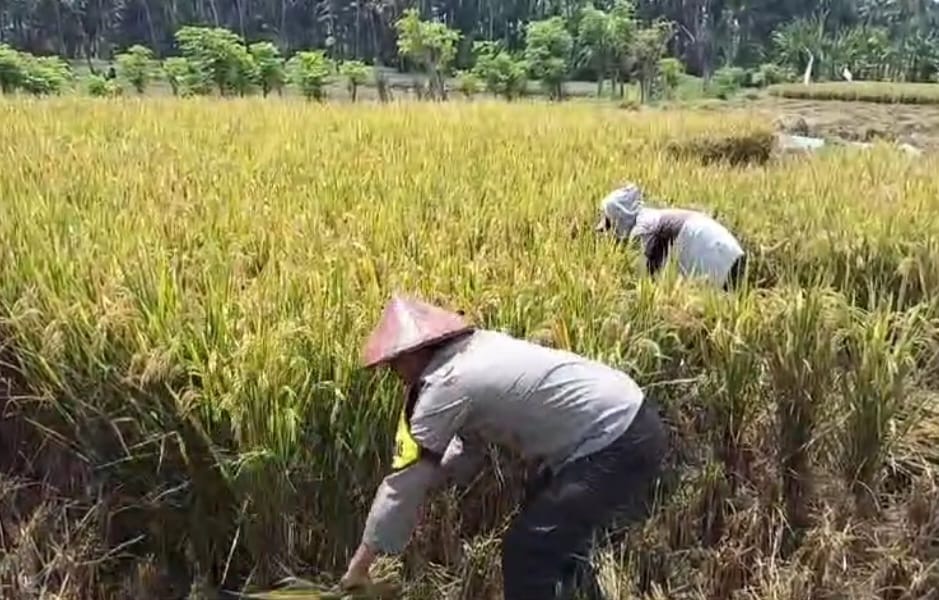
(548, 405)
(704, 247)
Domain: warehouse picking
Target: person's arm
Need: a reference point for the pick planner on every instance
(660, 241)
(421, 444)
(656, 252)
(408, 488)
(463, 460)
(393, 516)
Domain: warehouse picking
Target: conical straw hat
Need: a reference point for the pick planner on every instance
(407, 325)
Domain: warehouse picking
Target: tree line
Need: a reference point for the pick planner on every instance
(215, 60)
(710, 34)
(235, 45)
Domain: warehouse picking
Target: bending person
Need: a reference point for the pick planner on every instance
(598, 437)
(703, 247)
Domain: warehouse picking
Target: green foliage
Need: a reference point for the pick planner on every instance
(97, 86)
(310, 72)
(593, 30)
(869, 51)
(728, 80)
(468, 83)
(271, 75)
(183, 77)
(648, 48)
(796, 42)
(430, 45)
(604, 41)
(11, 69)
(917, 57)
(670, 71)
(136, 67)
(548, 50)
(770, 74)
(100, 87)
(595, 41)
(355, 73)
(895, 40)
(502, 74)
(624, 27)
(866, 51)
(219, 56)
(244, 74)
(47, 75)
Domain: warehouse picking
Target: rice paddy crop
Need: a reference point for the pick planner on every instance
(185, 286)
(862, 91)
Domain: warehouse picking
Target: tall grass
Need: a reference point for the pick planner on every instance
(185, 285)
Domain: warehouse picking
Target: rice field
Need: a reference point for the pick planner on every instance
(185, 287)
(883, 92)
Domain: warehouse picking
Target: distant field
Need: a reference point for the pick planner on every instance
(862, 91)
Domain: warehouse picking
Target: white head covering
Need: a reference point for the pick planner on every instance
(621, 207)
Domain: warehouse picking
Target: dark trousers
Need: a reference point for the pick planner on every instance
(737, 273)
(546, 551)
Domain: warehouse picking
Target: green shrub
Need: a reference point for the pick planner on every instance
(101, 87)
(770, 74)
(670, 72)
(137, 67)
(468, 83)
(271, 74)
(310, 72)
(727, 81)
(356, 74)
(11, 69)
(45, 76)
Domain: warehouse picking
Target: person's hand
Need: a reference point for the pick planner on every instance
(356, 576)
(355, 579)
